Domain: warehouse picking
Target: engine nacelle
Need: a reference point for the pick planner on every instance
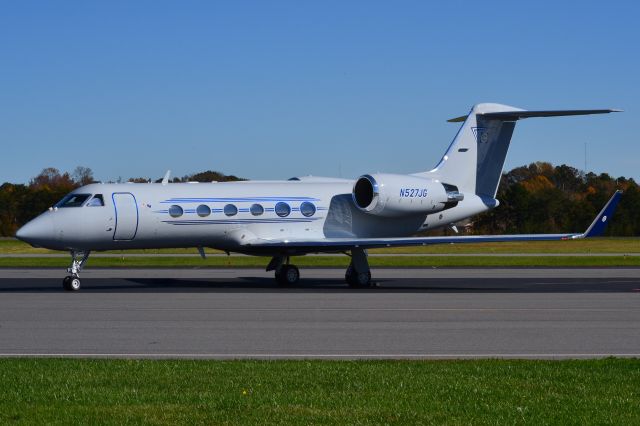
(392, 195)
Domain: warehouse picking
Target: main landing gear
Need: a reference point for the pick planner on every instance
(78, 259)
(358, 274)
(286, 274)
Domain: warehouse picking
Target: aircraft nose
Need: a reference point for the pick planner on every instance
(36, 231)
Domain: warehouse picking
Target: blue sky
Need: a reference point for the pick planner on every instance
(270, 90)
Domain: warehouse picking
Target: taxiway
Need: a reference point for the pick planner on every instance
(241, 313)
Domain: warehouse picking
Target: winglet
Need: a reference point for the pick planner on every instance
(165, 179)
(599, 224)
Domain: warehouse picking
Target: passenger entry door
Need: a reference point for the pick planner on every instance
(126, 216)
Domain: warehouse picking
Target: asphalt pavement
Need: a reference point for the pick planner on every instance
(242, 313)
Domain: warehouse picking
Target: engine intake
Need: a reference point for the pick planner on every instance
(366, 193)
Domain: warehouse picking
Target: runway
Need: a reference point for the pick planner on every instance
(241, 313)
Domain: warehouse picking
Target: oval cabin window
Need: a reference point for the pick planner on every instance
(307, 209)
(175, 211)
(282, 209)
(256, 209)
(203, 211)
(230, 210)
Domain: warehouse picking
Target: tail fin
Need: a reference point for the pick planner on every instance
(475, 158)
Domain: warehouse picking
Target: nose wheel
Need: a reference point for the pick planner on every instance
(78, 260)
(71, 283)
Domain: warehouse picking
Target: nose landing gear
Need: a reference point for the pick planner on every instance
(78, 259)
(71, 283)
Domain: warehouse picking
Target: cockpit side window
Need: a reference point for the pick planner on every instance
(73, 200)
(96, 201)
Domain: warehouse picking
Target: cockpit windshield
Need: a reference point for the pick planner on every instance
(73, 200)
(96, 201)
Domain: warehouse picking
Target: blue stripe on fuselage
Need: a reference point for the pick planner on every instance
(237, 199)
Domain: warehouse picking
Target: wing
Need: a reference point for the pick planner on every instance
(596, 228)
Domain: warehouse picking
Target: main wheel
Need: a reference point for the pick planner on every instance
(288, 275)
(357, 279)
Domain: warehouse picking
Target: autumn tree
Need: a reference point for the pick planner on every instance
(83, 175)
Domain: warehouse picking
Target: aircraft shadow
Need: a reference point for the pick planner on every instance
(268, 285)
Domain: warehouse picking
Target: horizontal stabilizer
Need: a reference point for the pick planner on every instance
(457, 119)
(519, 115)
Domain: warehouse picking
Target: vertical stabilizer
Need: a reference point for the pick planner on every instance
(475, 158)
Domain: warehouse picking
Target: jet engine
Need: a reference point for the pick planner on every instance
(391, 195)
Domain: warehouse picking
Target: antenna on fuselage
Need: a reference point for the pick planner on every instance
(165, 179)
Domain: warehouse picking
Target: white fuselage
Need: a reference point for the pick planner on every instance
(202, 214)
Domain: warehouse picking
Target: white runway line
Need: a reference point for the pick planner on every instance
(319, 356)
(310, 309)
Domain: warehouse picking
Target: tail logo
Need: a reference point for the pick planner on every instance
(481, 134)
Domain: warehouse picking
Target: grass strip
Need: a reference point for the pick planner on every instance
(331, 261)
(590, 245)
(44, 391)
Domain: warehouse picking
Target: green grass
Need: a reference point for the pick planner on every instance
(329, 261)
(13, 246)
(45, 391)
(594, 245)
(591, 245)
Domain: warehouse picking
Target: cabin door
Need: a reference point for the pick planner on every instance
(126, 216)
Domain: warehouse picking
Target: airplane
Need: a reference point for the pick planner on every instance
(302, 215)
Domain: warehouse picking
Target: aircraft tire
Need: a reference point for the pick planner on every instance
(66, 283)
(74, 284)
(288, 275)
(357, 280)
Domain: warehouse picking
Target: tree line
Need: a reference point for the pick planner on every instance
(542, 198)
(538, 198)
